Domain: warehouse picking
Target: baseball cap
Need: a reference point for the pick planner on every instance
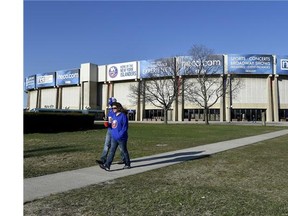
(111, 100)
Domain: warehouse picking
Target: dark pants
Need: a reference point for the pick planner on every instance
(107, 146)
(124, 151)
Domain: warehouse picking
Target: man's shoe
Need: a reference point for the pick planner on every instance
(99, 162)
(121, 162)
(126, 167)
(103, 166)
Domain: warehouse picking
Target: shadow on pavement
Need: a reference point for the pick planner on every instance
(174, 158)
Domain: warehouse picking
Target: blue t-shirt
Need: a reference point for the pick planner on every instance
(119, 127)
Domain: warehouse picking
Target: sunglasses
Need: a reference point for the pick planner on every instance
(114, 107)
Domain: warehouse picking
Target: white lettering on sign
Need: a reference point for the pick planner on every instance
(197, 63)
(68, 76)
(45, 79)
(284, 64)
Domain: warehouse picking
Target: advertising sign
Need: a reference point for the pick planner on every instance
(30, 82)
(156, 68)
(282, 65)
(122, 71)
(67, 77)
(250, 64)
(214, 64)
(45, 80)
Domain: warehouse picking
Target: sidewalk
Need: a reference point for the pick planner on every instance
(38, 187)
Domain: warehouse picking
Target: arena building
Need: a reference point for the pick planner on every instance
(264, 91)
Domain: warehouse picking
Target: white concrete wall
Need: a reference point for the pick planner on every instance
(102, 73)
(189, 105)
(88, 72)
(253, 94)
(88, 82)
(48, 98)
(32, 99)
(283, 93)
(121, 93)
(71, 97)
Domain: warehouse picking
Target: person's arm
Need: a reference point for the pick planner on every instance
(124, 128)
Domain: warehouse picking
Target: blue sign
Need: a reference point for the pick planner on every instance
(282, 65)
(157, 68)
(68, 77)
(213, 64)
(250, 64)
(45, 80)
(30, 82)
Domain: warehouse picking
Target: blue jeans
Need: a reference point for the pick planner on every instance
(107, 145)
(124, 152)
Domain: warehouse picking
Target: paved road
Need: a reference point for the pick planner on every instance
(38, 187)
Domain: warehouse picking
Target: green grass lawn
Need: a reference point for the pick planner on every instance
(251, 180)
(55, 152)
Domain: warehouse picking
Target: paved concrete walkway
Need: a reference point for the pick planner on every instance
(38, 187)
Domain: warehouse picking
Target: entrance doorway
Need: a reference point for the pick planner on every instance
(131, 115)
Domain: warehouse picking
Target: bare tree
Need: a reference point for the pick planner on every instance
(160, 85)
(206, 82)
(198, 78)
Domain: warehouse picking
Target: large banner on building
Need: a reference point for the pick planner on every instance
(282, 65)
(157, 68)
(122, 71)
(250, 64)
(213, 64)
(45, 80)
(30, 82)
(67, 77)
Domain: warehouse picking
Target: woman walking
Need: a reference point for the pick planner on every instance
(107, 143)
(119, 132)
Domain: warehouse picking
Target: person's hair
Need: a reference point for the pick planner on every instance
(120, 107)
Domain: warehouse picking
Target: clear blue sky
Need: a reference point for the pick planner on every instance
(62, 35)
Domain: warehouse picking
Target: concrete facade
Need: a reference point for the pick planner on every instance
(259, 93)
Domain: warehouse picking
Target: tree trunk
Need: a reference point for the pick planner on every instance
(165, 116)
(206, 116)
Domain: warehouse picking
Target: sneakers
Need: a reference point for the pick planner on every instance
(103, 166)
(126, 167)
(99, 162)
(121, 162)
